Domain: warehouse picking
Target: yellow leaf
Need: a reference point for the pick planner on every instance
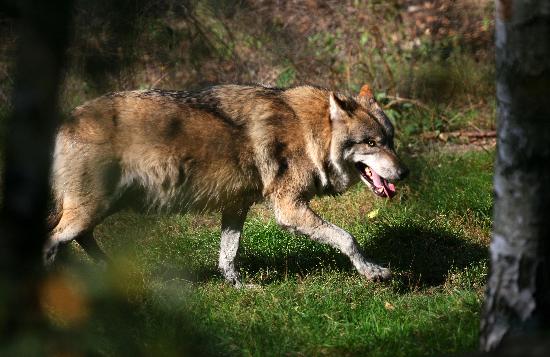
(373, 214)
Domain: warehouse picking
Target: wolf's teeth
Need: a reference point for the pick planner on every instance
(367, 171)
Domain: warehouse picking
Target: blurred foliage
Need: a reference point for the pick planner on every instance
(438, 54)
(431, 64)
(163, 295)
(410, 48)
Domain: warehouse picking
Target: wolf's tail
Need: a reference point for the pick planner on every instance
(55, 200)
(55, 211)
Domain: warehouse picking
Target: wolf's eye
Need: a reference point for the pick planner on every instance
(371, 143)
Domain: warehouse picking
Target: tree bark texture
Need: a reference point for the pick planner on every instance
(518, 290)
(43, 28)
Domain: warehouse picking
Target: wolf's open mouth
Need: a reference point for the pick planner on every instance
(379, 185)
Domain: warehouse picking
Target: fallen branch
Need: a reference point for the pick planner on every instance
(479, 134)
(470, 135)
(394, 100)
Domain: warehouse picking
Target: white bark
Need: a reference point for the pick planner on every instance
(518, 298)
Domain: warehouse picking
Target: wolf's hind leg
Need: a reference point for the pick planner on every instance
(90, 246)
(85, 194)
(297, 216)
(232, 226)
(77, 222)
(69, 227)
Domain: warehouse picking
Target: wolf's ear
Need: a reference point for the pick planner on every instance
(335, 108)
(365, 94)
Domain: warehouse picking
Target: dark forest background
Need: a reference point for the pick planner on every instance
(439, 53)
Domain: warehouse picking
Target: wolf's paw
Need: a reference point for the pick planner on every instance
(376, 273)
(49, 256)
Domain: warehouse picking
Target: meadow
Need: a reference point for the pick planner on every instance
(164, 296)
(431, 66)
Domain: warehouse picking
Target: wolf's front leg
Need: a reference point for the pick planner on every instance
(232, 226)
(297, 216)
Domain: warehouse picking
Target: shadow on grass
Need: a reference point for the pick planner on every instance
(96, 312)
(419, 256)
(428, 339)
(124, 326)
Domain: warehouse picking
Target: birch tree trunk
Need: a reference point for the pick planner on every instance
(518, 291)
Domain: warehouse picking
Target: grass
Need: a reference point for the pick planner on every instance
(164, 296)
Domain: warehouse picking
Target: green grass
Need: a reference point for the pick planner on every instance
(165, 297)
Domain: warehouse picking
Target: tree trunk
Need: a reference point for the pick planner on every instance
(518, 291)
(43, 27)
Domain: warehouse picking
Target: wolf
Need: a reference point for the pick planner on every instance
(223, 148)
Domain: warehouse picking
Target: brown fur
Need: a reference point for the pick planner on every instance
(222, 148)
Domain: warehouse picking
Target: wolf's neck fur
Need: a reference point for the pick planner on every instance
(312, 107)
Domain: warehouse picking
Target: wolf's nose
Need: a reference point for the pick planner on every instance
(403, 172)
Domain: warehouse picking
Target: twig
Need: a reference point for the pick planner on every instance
(394, 100)
(472, 135)
(479, 134)
(152, 86)
(484, 149)
(379, 45)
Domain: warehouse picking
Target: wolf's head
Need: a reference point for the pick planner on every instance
(362, 143)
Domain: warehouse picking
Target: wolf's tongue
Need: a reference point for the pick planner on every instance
(380, 183)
